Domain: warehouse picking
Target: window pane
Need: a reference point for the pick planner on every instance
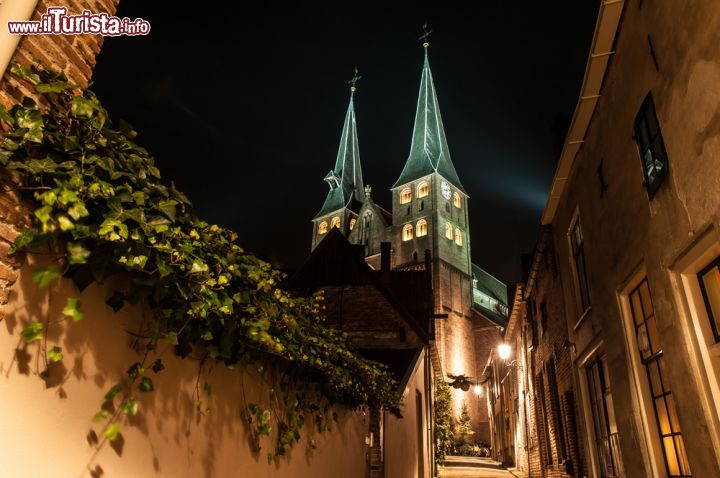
(646, 300)
(666, 386)
(682, 456)
(711, 285)
(671, 457)
(636, 308)
(654, 336)
(663, 420)
(673, 413)
(643, 342)
(655, 384)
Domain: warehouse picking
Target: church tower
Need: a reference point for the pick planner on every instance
(347, 192)
(430, 212)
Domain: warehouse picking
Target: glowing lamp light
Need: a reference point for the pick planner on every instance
(478, 390)
(504, 351)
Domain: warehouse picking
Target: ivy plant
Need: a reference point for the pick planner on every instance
(98, 198)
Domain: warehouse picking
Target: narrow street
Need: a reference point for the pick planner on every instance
(464, 467)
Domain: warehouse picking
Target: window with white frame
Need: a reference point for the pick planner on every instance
(423, 189)
(407, 232)
(421, 228)
(405, 196)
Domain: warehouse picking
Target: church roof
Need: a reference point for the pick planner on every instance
(345, 180)
(429, 152)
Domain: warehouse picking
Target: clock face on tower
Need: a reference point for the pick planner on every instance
(445, 189)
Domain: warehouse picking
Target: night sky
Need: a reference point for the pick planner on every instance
(243, 110)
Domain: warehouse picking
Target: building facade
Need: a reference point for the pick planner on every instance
(429, 213)
(633, 218)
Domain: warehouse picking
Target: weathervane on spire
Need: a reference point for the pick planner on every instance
(425, 36)
(354, 80)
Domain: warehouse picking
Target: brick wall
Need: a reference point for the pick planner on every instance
(557, 447)
(74, 55)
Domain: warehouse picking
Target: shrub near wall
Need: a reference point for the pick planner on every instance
(98, 199)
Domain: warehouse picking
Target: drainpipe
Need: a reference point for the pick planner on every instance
(12, 10)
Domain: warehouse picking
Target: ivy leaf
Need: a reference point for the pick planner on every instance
(100, 416)
(135, 370)
(171, 338)
(130, 406)
(33, 122)
(32, 332)
(208, 388)
(78, 210)
(55, 354)
(146, 385)
(157, 366)
(54, 87)
(4, 116)
(27, 237)
(112, 431)
(207, 336)
(72, 310)
(77, 254)
(43, 278)
(25, 73)
(81, 107)
(117, 388)
(169, 208)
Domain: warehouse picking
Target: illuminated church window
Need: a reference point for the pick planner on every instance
(335, 222)
(448, 230)
(322, 227)
(423, 189)
(407, 232)
(458, 236)
(352, 223)
(456, 200)
(405, 196)
(421, 228)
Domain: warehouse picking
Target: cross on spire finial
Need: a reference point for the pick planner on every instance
(354, 81)
(425, 37)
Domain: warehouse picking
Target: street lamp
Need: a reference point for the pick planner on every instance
(478, 390)
(504, 351)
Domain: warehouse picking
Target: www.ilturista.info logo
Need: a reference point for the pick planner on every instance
(56, 21)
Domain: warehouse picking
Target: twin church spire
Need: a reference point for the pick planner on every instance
(429, 152)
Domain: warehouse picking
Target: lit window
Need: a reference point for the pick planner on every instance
(322, 227)
(710, 286)
(407, 232)
(352, 223)
(421, 228)
(458, 236)
(423, 189)
(456, 200)
(578, 252)
(335, 222)
(405, 196)
(652, 147)
(651, 354)
(448, 231)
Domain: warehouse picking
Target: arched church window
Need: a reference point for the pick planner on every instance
(335, 222)
(322, 227)
(352, 223)
(423, 189)
(458, 236)
(405, 196)
(407, 232)
(456, 200)
(448, 231)
(421, 228)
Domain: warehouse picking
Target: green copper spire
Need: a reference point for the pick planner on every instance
(345, 180)
(429, 151)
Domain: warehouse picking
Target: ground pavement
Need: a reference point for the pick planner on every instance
(463, 467)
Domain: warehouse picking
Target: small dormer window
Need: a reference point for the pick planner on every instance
(407, 232)
(352, 223)
(457, 202)
(405, 196)
(423, 189)
(448, 231)
(335, 222)
(421, 228)
(458, 236)
(322, 227)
